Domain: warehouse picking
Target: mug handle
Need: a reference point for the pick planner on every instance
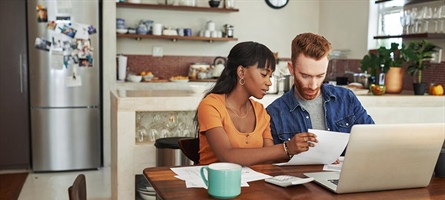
(203, 176)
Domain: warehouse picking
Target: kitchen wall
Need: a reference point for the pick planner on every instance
(257, 22)
(343, 22)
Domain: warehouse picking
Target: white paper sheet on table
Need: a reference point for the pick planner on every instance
(192, 176)
(328, 149)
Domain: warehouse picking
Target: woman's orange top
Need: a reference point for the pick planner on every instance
(212, 113)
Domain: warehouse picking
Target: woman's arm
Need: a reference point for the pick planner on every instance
(220, 144)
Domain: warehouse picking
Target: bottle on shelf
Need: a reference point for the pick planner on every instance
(382, 75)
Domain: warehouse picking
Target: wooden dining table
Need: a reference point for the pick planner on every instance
(170, 188)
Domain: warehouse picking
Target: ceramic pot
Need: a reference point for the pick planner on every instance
(142, 29)
(394, 80)
(419, 88)
(288, 82)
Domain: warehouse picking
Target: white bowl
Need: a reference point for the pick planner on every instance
(135, 78)
(198, 88)
(148, 77)
(147, 197)
(121, 31)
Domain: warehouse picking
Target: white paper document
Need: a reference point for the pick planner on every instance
(328, 149)
(192, 176)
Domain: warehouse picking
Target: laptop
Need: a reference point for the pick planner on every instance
(386, 157)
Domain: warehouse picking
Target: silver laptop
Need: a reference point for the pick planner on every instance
(386, 157)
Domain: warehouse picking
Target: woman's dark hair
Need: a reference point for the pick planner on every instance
(245, 54)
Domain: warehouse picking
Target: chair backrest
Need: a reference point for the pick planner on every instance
(190, 148)
(78, 191)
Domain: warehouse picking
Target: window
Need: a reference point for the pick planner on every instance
(389, 23)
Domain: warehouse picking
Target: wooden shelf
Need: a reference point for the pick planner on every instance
(173, 7)
(417, 35)
(174, 38)
(406, 2)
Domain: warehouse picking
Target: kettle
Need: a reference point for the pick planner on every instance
(219, 64)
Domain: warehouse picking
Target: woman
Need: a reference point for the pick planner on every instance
(234, 128)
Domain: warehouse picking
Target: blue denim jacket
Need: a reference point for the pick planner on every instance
(341, 106)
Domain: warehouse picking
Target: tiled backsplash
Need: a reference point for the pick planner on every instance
(433, 73)
(168, 66)
(154, 125)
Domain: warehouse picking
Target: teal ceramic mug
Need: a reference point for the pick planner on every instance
(223, 180)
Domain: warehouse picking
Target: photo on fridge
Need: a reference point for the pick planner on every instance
(42, 44)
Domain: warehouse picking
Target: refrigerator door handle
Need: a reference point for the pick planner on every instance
(21, 73)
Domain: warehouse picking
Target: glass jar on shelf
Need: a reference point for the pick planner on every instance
(141, 131)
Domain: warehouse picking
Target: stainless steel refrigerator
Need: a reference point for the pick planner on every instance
(65, 84)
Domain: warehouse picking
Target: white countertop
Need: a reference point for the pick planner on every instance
(187, 100)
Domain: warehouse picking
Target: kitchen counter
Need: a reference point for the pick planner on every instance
(160, 85)
(129, 158)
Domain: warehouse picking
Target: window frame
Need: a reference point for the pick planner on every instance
(384, 9)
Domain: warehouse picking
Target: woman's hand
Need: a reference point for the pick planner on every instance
(301, 142)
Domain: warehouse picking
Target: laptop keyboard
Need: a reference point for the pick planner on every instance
(334, 181)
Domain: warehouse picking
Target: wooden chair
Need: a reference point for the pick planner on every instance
(78, 191)
(190, 148)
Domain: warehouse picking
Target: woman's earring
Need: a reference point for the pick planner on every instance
(242, 81)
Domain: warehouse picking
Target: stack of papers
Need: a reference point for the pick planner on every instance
(192, 176)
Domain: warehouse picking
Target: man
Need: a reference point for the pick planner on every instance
(310, 104)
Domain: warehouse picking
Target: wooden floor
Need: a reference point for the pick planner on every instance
(11, 185)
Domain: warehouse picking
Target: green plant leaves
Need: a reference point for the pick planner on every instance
(416, 53)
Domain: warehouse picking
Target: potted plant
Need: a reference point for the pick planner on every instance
(416, 53)
(369, 65)
(393, 67)
(388, 61)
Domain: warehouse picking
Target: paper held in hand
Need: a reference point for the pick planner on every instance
(328, 149)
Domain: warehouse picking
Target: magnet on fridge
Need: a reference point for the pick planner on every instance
(51, 25)
(56, 59)
(69, 31)
(42, 14)
(91, 29)
(85, 63)
(82, 31)
(42, 44)
(63, 20)
(66, 60)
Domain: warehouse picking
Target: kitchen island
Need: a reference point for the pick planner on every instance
(129, 157)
